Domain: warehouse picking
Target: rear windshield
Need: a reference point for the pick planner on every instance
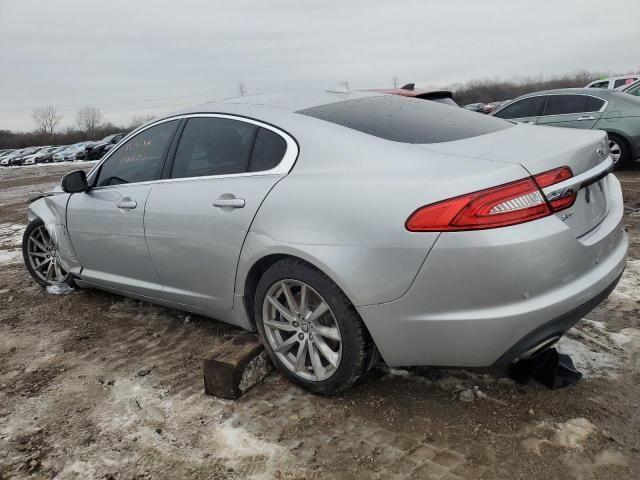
(407, 120)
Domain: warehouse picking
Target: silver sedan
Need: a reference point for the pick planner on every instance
(347, 226)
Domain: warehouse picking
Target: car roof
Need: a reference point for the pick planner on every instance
(287, 101)
(575, 91)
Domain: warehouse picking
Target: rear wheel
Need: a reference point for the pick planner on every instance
(41, 256)
(310, 329)
(619, 151)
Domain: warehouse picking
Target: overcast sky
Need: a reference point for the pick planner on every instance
(131, 57)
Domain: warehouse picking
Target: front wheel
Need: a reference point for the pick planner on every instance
(310, 329)
(41, 256)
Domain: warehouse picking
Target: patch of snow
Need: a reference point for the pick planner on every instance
(585, 359)
(8, 257)
(11, 234)
(572, 433)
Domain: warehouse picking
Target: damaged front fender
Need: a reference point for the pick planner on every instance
(51, 209)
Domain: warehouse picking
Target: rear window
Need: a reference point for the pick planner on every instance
(406, 120)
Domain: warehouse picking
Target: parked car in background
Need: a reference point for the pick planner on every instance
(39, 157)
(17, 159)
(616, 113)
(46, 156)
(5, 153)
(409, 90)
(632, 89)
(5, 161)
(70, 153)
(97, 149)
(343, 225)
(475, 107)
(82, 154)
(614, 82)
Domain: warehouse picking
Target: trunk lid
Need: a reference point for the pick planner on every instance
(540, 149)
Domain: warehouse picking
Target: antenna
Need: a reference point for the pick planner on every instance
(341, 87)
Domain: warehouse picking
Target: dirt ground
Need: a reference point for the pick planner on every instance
(75, 405)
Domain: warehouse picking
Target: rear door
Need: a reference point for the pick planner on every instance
(106, 225)
(526, 110)
(196, 220)
(572, 110)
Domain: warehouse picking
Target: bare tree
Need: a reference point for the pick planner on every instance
(394, 82)
(89, 119)
(242, 89)
(138, 120)
(46, 119)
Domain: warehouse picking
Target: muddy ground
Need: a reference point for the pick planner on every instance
(73, 405)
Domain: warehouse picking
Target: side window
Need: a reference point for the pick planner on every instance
(527, 107)
(623, 81)
(140, 159)
(268, 151)
(604, 84)
(567, 104)
(214, 146)
(635, 90)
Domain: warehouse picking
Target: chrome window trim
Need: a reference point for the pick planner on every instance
(283, 168)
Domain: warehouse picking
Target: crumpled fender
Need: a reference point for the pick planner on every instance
(51, 209)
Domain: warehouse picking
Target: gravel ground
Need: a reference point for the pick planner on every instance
(76, 403)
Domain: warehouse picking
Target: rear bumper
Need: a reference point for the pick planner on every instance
(485, 297)
(547, 334)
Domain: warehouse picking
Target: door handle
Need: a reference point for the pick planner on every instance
(528, 122)
(229, 202)
(589, 117)
(126, 204)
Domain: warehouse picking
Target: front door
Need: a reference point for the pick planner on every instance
(197, 220)
(106, 224)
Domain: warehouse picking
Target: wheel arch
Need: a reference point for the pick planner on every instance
(257, 269)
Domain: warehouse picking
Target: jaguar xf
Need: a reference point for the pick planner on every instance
(347, 226)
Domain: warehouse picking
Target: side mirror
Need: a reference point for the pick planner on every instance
(75, 182)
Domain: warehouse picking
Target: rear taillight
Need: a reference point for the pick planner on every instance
(510, 204)
(552, 177)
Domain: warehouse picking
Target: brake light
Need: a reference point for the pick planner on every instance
(510, 204)
(552, 177)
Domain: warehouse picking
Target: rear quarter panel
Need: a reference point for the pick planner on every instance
(344, 206)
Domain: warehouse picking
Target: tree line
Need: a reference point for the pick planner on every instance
(89, 125)
(491, 90)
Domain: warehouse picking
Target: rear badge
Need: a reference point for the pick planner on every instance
(566, 216)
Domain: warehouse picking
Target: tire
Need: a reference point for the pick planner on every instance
(356, 348)
(36, 235)
(617, 143)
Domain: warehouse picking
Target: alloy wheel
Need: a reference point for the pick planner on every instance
(302, 330)
(615, 150)
(43, 256)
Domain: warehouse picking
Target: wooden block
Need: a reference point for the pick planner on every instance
(235, 367)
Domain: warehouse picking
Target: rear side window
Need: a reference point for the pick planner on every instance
(406, 120)
(623, 81)
(527, 107)
(268, 151)
(214, 146)
(566, 104)
(603, 84)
